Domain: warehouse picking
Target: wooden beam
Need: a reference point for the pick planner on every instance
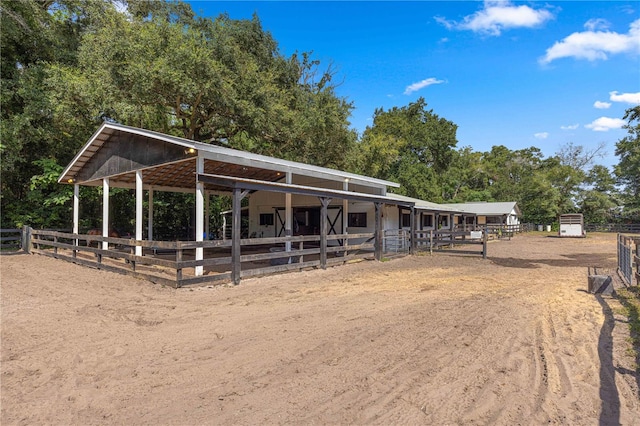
(199, 214)
(260, 185)
(236, 234)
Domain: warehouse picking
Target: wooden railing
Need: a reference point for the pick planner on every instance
(448, 240)
(629, 258)
(629, 228)
(10, 239)
(173, 262)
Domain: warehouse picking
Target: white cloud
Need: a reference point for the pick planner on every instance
(595, 44)
(601, 105)
(630, 98)
(421, 85)
(597, 24)
(570, 127)
(541, 135)
(604, 124)
(497, 16)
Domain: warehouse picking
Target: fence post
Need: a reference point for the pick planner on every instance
(26, 239)
(178, 263)
(484, 242)
(378, 232)
(431, 241)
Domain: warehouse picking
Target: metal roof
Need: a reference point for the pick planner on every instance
(179, 172)
(488, 208)
(426, 205)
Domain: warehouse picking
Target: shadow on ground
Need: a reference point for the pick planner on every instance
(572, 260)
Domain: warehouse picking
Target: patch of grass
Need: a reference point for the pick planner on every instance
(630, 299)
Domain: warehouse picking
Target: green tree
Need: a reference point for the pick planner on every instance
(410, 145)
(628, 169)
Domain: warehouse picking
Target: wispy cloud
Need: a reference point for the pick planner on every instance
(570, 127)
(601, 105)
(497, 16)
(604, 124)
(630, 98)
(421, 85)
(595, 43)
(541, 135)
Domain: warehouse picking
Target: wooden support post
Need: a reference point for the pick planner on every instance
(199, 270)
(345, 218)
(323, 231)
(288, 213)
(484, 242)
(431, 241)
(26, 239)
(150, 218)
(377, 244)
(178, 262)
(105, 213)
(139, 195)
(412, 235)
(236, 235)
(76, 215)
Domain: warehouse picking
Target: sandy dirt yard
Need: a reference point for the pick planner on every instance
(442, 339)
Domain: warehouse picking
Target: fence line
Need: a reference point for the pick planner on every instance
(172, 262)
(10, 239)
(629, 258)
(631, 228)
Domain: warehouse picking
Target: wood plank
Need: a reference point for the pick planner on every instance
(279, 268)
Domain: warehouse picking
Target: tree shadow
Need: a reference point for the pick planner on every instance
(570, 260)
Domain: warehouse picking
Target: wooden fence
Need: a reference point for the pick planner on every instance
(173, 262)
(629, 258)
(630, 228)
(452, 240)
(10, 239)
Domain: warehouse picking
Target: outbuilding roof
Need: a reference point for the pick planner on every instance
(488, 208)
(427, 205)
(116, 151)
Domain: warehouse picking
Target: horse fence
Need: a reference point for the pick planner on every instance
(629, 258)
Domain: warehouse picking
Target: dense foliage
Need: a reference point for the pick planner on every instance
(69, 65)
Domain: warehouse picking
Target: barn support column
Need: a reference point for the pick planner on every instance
(412, 234)
(76, 212)
(288, 213)
(150, 218)
(199, 214)
(345, 216)
(105, 212)
(207, 214)
(377, 244)
(324, 202)
(139, 195)
(236, 233)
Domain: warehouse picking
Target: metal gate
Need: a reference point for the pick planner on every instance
(627, 259)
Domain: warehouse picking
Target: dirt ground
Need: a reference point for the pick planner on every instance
(442, 339)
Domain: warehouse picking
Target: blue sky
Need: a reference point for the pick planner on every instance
(517, 74)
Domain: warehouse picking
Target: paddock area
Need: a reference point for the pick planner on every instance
(425, 339)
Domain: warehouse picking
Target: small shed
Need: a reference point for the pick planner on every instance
(571, 225)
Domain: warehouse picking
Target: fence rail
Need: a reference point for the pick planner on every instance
(10, 239)
(629, 258)
(174, 262)
(629, 228)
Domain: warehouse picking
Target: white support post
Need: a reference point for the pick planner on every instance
(150, 218)
(345, 214)
(199, 270)
(105, 212)
(288, 213)
(76, 207)
(76, 211)
(139, 195)
(207, 214)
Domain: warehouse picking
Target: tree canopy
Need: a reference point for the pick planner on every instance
(68, 65)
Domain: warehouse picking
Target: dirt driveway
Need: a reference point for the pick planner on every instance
(442, 339)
